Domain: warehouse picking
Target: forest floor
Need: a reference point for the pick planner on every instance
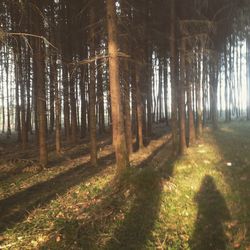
(199, 201)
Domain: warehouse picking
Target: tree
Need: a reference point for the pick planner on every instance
(92, 93)
(119, 139)
(174, 78)
(40, 83)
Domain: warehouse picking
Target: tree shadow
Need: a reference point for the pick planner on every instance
(135, 231)
(126, 214)
(15, 208)
(212, 213)
(234, 143)
(24, 160)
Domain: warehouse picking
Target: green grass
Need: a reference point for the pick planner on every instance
(199, 201)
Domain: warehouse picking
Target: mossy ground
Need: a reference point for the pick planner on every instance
(199, 201)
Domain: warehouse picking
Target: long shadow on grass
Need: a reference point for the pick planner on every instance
(234, 143)
(70, 154)
(212, 213)
(135, 230)
(16, 207)
(126, 214)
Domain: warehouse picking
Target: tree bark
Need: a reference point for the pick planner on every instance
(198, 97)
(92, 93)
(174, 79)
(119, 139)
(41, 95)
(182, 115)
(191, 132)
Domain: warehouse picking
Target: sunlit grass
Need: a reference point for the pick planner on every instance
(164, 205)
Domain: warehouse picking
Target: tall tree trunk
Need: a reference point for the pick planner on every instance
(159, 118)
(3, 107)
(166, 90)
(198, 97)
(23, 111)
(213, 91)
(66, 110)
(248, 76)
(139, 108)
(39, 58)
(28, 86)
(7, 93)
(119, 139)
(174, 78)
(191, 132)
(18, 123)
(57, 99)
(84, 73)
(149, 95)
(73, 106)
(100, 99)
(92, 93)
(182, 115)
(41, 103)
(226, 85)
(128, 126)
(51, 97)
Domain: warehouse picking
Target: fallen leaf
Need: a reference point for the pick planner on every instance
(236, 245)
(34, 243)
(58, 238)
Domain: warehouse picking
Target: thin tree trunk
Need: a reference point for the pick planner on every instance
(73, 106)
(128, 126)
(248, 76)
(92, 94)
(182, 116)
(84, 73)
(100, 99)
(139, 108)
(166, 90)
(18, 123)
(191, 128)
(41, 104)
(57, 106)
(52, 97)
(198, 98)
(174, 79)
(66, 102)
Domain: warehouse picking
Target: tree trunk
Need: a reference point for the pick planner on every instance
(139, 109)
(191, 132)
(84, 73)
(73, 107)
(41, 104)
(119, 139)
(198, 97)
(182, 115)
(92, 94)
(100, 99)
(51, 97)
(39, 60)
(173, 65)
(248, 77)
(166, 90)
(128, 127)
(213, 91)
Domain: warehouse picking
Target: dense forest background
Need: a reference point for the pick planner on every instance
(124, 124)
(184, 63)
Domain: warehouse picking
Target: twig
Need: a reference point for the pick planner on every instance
(31, 35)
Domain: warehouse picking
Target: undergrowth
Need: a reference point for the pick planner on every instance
(199, 201)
